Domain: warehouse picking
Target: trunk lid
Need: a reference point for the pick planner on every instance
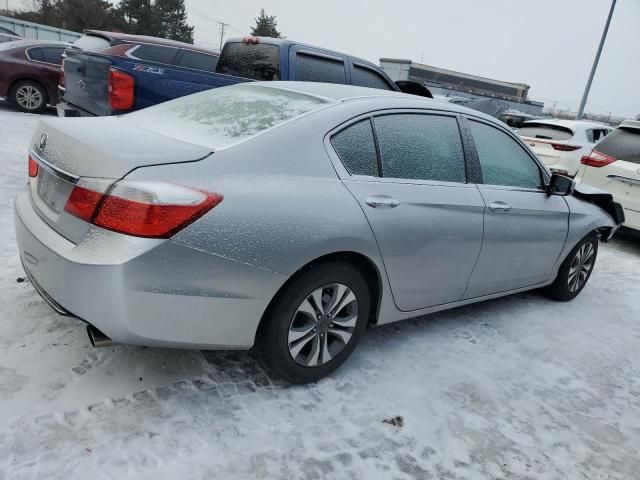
(86, 77)
(69, 148)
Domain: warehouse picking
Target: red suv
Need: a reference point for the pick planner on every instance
(29, 73)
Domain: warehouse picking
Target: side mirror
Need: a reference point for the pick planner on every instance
(560, 185)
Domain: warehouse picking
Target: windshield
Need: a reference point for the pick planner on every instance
(622, 144)
(224, 116)
(254, 61)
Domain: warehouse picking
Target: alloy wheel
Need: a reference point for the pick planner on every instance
(581, 265)
(323, 325)
(29, 97)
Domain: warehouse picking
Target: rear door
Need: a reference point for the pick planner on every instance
(410, 182)
(524, 228)
(621, 178)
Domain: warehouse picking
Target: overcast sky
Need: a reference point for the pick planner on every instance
(548, 44)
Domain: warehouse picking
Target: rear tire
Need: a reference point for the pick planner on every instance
(315, 323)
(28, 96)
(575, 271)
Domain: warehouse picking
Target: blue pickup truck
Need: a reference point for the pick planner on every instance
(124, 77)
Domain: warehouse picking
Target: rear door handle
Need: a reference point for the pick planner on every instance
(499, 207)
(382, 202)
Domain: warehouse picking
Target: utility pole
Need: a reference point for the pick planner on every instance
(222, 27)
(583, 102)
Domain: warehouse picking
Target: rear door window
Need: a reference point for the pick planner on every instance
(545, 131)
(257, 62)
(356, 148)
(314, 68)
(502, 160)
(365, 77)
(198, 61)
(420, 147)
(622, 144)
(155, 53)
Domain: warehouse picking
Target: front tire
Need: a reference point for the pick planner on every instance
(575, 270)
(28, 96)
(315, 323)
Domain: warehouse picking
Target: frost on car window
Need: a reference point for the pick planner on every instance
(356, 148)
(224, 116)
(420, 147)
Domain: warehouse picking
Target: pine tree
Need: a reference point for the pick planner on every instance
(266, 26)
(173, 20)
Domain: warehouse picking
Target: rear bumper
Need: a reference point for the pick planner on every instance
(154, 293)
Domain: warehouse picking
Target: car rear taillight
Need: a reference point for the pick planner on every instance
(121, 90)
(597, 159)
(61, 79)
(33, 167)
(563, 147)
(141, 209)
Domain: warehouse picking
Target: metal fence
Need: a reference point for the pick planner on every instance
(37, 31)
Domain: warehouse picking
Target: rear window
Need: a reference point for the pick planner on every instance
(258, 62)
(224, 116)
(91, 43)
(545, 131)
(622, 144)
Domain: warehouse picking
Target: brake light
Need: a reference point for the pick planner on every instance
(563, 147)
(141, 209)
(61, 79)
(251, 40)
(597, 159)
(121, 90)
(33, 167)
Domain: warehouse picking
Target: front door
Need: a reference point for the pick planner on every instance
(525, 229)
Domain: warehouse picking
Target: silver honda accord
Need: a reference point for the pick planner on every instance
(290, 216)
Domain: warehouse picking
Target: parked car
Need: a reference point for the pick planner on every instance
(87, 77)
(29, 71)
(270, 215)
(560, 144)
(614, 166)
(118, 80)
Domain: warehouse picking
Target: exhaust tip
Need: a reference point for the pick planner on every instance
(97, 338)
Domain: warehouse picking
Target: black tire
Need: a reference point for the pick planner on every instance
(28, 96)
(273, 338)
(562, 289)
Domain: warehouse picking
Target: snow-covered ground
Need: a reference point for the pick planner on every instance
(521, 387)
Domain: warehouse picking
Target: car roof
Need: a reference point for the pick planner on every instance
(125, 37)
(338, 93)
(285, 42)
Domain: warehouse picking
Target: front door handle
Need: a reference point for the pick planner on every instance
(499, 207)
(382, 202)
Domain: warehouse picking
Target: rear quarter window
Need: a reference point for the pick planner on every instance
(154, 53)
(257, 62)
(198, 61)
(545, 132)
(621, 144)
(357, 149)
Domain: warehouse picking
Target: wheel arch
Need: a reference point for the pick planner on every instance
(23, 78)
(364, 264)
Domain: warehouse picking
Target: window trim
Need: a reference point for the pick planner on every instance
(544, 174)
(344, 174)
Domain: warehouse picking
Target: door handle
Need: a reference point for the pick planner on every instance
(499, 207)
(382, 202)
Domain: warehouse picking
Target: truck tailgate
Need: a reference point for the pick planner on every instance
(87, 81)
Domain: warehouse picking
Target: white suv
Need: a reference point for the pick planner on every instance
(614, 166)
(561, 143)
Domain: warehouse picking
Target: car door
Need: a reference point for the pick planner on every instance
(410, 182)
(525, 229)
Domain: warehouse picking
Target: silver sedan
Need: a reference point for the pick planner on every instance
(290, 216)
